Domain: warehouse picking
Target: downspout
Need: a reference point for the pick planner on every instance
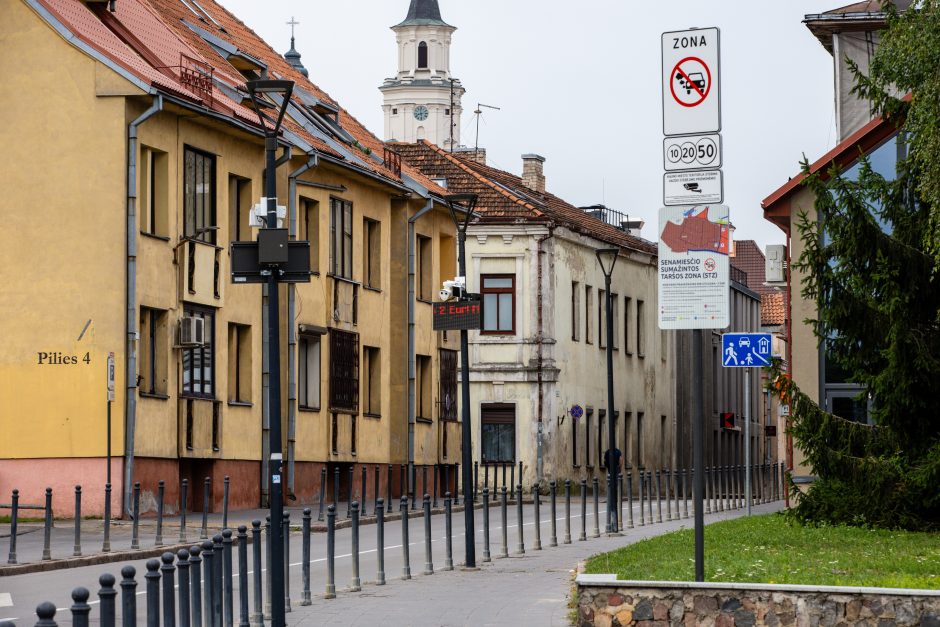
(411, 332)
(313, 162)
(539, 464)
(130, 301)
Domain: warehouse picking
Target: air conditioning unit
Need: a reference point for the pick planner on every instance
(775, 270)
(192, 332)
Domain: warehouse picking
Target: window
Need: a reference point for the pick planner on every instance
(423, 388)
(614, 299)
(640, 329)
(575, 310)
(341, 238)
(395, 111)
(424, 272)
(498, 424)
(344, 371)
(372, 254)
(199, 195)
(422, 56)
(602, 318)
(199, 361)
(152, 364)
(239, 202)
(499, 304)
(588, 312)
(152, 192)
(372, 382)
(574, 442)
(310, 230)
(639, 439)
(239, 363)
(588, 436)
(627, 327)
(308, 371)
(448, 399)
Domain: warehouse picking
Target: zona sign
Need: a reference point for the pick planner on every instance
(691, 87)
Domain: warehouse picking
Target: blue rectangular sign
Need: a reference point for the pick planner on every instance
(746, 350)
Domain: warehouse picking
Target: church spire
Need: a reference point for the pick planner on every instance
(423, 12)
(292, 56)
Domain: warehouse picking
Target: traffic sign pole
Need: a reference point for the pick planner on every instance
(747, 437)
(698, 455)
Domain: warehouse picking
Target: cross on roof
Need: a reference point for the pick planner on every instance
(292, 24)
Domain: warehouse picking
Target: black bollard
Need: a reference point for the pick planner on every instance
(218, 600)
(375, 489)
(486, 521)
(435, 481)
(403, 508)
(583, 536)
(512, 476)
(228, 605)
(448, 531)
(331, 552)
(504, 464)
(208, 585)
(412, 488)
(77, 548)
(47, 528)
(428, 562)
(46, 613)
(476, 481)
(388, 487)
(630, 499)
(195, 584)
(336, 486)
(135, 514)
(363, 493)
(553, 540)
(243, 576)
(520, 548)
(257, 615)
(537, 546)
(349, 494)
(182, 566)
(641, 479)
(668, 495)
(322, 493)
(225, 483)
(107, 598)
(207, 488)
(659, 497)
(380, 536)
(649, 495)
(184, 505)
(504, 550)
(285, 535)
(152, 579)
(402, 481)
(160, 496)
(597, 526)
(446, 477)
(486, 475)
(14, 515)
(456, 484)
(128, 596)
(80, 608)
(567, 539)
(355, 583)
(167, 579)
(305, 598)
(709, 489)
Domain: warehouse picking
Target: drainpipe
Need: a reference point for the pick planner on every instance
(130, 301)
(411, 333)
(539, 464)
(313, 162)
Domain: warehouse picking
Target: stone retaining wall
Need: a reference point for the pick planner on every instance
(605, 602)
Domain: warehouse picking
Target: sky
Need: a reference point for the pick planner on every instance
(578, 82)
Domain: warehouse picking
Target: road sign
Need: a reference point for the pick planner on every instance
(695, 187)
(458, 315)
(576, 411)
(110, 376)
(746, 350)
(694, 276)
(691, 85)
(695, 152)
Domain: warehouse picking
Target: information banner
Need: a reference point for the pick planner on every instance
(458, 315)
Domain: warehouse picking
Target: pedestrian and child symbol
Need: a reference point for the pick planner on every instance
(746, 350)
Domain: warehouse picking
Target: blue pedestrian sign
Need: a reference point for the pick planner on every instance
(746, 350)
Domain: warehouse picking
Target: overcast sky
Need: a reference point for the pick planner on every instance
(578, 82)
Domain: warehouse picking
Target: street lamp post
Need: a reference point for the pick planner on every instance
(607, 258)
(467, 203)
(271, 125)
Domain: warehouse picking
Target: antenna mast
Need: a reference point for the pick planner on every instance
(478, 113)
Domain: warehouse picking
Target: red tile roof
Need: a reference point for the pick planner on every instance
(773, 309)
(503, 196)
(750, 259)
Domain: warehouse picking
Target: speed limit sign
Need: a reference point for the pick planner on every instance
(692, 152)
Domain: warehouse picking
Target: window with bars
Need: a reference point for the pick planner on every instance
(498, 424)
(199, 196)
(341, 238)
(199, 361)
(344, 371)
(499, 303)
(448, 400)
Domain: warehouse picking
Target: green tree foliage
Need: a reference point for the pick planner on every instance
(871, 261)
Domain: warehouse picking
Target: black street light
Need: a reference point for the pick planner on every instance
(607, 258)
(257, 90)
(466, 203)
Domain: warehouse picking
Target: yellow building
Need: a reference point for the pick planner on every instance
(121, 245)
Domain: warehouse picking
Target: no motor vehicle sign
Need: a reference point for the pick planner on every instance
(691, 86)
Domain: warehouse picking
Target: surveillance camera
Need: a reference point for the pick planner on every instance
(452, 289)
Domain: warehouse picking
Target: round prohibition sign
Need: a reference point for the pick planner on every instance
(690, 82)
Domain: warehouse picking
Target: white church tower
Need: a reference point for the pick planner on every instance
(423, 100)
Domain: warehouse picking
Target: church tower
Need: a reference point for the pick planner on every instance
(423, 100)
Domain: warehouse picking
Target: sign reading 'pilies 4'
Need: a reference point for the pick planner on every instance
(458, 315)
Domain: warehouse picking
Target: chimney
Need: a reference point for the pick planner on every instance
(473, 154)
(532, 176)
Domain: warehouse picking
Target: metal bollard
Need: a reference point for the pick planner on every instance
(349, 495)
(257, 616)
(402, 481)
(14, 515)
(448, 531)
(708, 489)
(512, 475)
(363, 493)
(47, 528)
(486, 475)
(428, 562)
(243, 576)
(169, 598)
(457, 484)
(218, 570)
(583, 536)
(630, 500)
(184, 505)
(435, 482)
(161, 488)
(659, 497)
(553, 539)
(380, 537)
(403, 508)
(208, 585)
(336, 486)
(225, 483)
(77, 548)
(322, 493)
(537, 545)
(520, 548)
(355, 583)
(388, 487)
(476, 481)
(152, 579)
(721, 488)
(207, 488)
(305, 598)
(128, 596)
(411, 485)
(424, 480)
(375, 489)
(486, 522)
(567, 539)
(80, 608)
(107, 598)
(520, 472)
(597, 528)
(446, 477)
(195, 584)
(228, 595)
(182, 567)
(331, 552)
(668, 477)
(504, 550)
(641, 479)
(649, 496)
(285, 535)
(46, 613)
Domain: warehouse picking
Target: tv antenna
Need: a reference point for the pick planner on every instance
(478, 113)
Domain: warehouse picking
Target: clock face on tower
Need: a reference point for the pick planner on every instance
(421, 113)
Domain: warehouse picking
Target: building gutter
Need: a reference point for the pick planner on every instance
(311, 163)
(130, 301)
(411, 331)
(540, 360)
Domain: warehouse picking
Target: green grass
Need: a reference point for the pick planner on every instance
(771, 549)
(20, 519)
